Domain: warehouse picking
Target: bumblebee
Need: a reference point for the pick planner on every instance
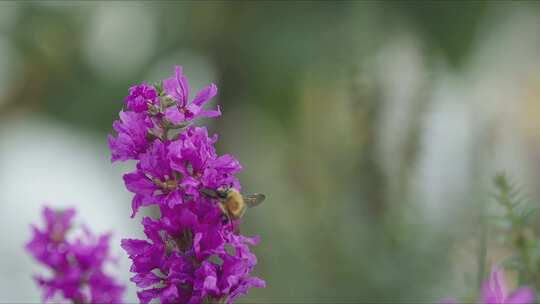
(232, 203)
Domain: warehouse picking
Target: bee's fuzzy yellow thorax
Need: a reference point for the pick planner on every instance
(235, 203)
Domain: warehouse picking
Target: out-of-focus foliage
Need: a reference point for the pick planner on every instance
(372, 127)
(516, 223)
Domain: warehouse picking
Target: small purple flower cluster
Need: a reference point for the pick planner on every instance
(77, 265)
(192, 254)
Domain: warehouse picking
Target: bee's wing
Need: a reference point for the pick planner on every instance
(253, 200)
(210, 192)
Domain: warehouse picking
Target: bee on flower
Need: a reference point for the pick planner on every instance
(191, 254)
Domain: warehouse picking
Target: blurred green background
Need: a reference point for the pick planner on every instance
(372, 127)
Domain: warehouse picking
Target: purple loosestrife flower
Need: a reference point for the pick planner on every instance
(494, 291)
(77, 265)
(154, 182)
(194, 156)
(177, 88)
(192, 253)
(140, 96)
(132, 129)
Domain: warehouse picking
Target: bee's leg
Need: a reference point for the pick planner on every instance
(224, 212)
(236, 228)
(222, 208)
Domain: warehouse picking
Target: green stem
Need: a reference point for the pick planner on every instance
(482, 252)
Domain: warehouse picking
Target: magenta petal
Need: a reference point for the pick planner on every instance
(188, 218)
(488, 296)
(174, 115)
(189, 181)
(177, 86)
(257, 282)
(170, 87)
(145, 280)
(494, 289)
(134, 247)
(210, 113)
(227, 163)
(168, 293)
(136, 203)
(178, 71)
(113, 146)
(183, 83)
(205, 95)
(145, 296)
(174, 198)
(138, 183)
(499, 284)
(254, 240)
(523, 295)
(151, 229)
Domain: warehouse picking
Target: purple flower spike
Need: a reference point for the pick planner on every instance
(77, 266)
(191, 253)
